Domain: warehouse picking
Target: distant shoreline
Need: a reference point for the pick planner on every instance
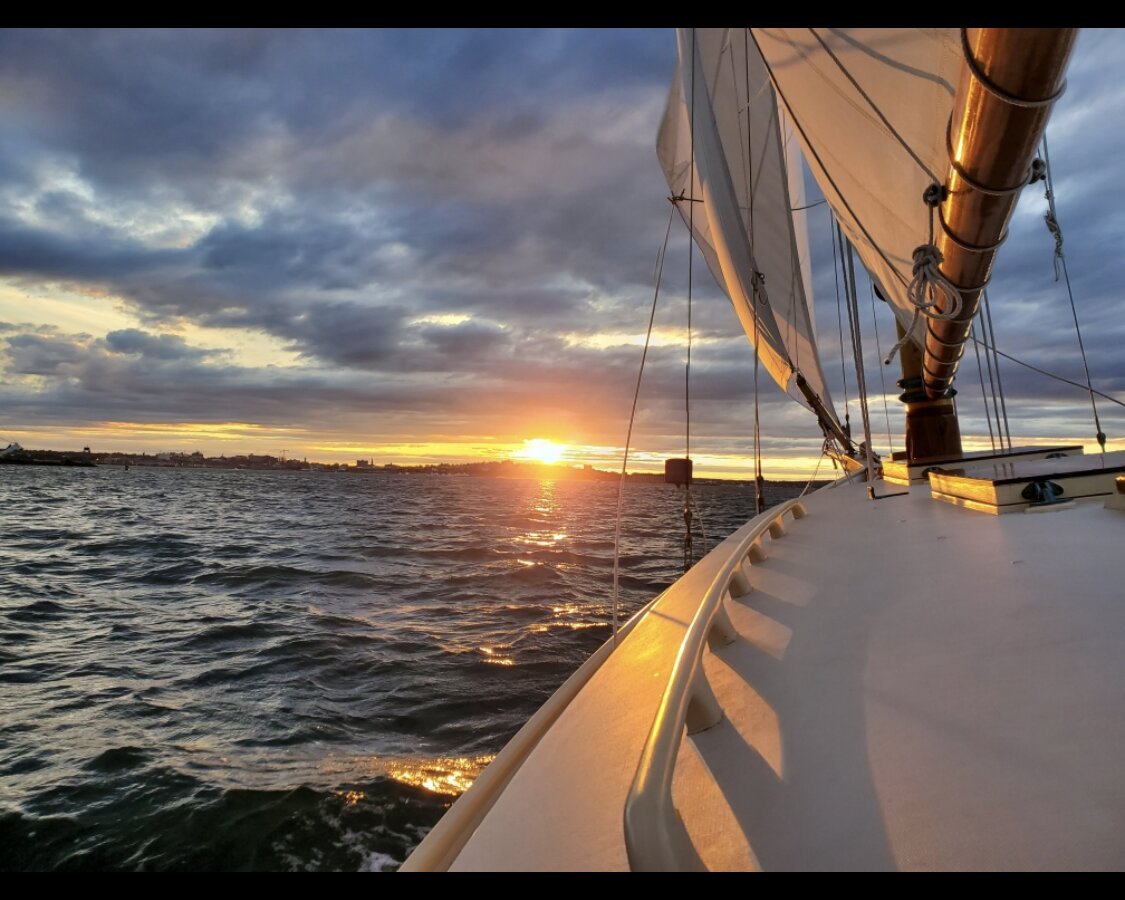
(491, 469)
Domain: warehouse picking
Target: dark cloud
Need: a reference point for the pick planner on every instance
(154, 346)
(342, 191)
(465, 342)
(34, 354)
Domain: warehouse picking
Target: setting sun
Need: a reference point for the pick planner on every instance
(541, 450)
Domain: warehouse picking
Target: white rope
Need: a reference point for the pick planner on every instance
(929, 284)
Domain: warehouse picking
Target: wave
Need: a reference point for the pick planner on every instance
(225, 671)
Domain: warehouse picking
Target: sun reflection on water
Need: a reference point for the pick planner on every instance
(446, 775)
(351, 798)
(495, 656)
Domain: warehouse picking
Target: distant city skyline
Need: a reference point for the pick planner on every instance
(424, 246)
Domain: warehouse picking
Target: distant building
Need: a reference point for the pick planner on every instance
(362, 464)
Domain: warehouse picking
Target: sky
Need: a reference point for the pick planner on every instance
(425, 246)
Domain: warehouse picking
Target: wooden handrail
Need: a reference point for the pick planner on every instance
(446, 840)
(655, 836)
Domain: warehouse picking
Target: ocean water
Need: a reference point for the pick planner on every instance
(229, 670)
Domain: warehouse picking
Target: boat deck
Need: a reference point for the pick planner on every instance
(913, 686)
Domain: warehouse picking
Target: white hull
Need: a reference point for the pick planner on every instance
(912, 685)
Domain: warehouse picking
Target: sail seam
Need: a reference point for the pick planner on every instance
(824, 169)
(874, 106)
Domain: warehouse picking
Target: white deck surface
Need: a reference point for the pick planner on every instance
(916, 686)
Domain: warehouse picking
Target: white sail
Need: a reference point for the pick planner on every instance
(739, 202)
(871, 107)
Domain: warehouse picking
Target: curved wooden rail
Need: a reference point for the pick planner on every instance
(655, 836)
(441, 846)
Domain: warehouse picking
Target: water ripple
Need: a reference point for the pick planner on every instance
(250, 670)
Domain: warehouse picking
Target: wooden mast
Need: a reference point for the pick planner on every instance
(1009, 81)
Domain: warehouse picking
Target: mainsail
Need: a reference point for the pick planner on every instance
(725, 158)
(871, 107)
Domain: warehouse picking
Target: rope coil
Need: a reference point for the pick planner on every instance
(924, 291)
(1056, 232)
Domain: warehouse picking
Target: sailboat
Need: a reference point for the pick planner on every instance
(921, 665)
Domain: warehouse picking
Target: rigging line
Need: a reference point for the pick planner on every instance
(702, 530)
(816, 471)
(988, 357)
(999, 382)
(759, 498)
(898, 137)
(819, 202)
(632, 417)
(882, 378)
(860, 375)
(824, 169)
(1027, 365)
(1060, 258)
(691, 257)
(728, 45)
(983, 395)
(840, 322)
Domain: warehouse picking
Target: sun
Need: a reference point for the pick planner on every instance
(541, 450)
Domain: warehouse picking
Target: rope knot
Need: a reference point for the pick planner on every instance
(925, 292)
(929, 285)
(926, 257)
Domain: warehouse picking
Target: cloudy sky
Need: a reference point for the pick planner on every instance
(421, 245)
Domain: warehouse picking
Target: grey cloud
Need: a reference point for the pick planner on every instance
(465, 342)
(154, 346)
(350, 182)
(34, 354)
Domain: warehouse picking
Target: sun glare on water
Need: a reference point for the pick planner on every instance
(541, 450)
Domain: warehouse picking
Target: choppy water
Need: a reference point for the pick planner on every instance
(252, 670)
